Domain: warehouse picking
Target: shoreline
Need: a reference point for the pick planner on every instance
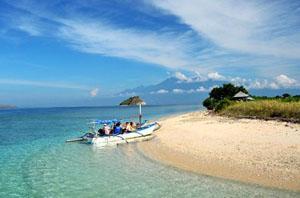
(260, 152)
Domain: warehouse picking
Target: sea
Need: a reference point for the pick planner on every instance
(35, 161)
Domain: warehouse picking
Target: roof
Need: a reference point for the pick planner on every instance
(240, 94)
(135, 100)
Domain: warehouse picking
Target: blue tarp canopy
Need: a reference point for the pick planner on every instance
(105, 121)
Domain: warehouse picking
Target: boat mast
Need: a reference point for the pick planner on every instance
(140, 115)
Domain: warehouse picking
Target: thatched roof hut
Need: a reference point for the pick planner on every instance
(242, 96)
(135, 100)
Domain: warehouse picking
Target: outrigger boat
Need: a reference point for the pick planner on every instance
(144, 132)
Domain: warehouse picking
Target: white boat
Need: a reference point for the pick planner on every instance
(142, 133)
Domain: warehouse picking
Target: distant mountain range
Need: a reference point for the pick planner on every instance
(192, 91)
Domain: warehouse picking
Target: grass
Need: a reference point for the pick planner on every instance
(264, 109)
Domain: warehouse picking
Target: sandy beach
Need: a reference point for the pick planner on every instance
(253, 151)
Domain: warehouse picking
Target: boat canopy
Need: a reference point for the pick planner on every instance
(105, 121)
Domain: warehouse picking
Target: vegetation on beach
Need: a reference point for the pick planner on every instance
(264, 109)
(221, 101)
(220, 97)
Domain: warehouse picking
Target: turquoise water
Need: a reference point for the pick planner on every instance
(35, 161)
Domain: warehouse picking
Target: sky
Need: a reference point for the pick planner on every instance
(54, 52)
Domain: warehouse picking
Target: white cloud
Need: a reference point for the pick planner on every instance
(223, 34)
(215, 76)
(29, 25)
(281, 81)
(198, 77)
(285, 81)
(178, 91)
(94, 92)
(181, 76)
(162, 91)
(273, 85)
(202, 89)
(99, 38)
(255, 27)
(258, 84)
(238, 81)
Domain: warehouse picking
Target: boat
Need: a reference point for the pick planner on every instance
(144, 132)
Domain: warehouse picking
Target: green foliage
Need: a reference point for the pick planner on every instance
(209, 103)
(219, 97)
(226, 91)
(286, 95)
(285, 107)
(132, 101)
(264, 109)
(222, 104)
(279, 98)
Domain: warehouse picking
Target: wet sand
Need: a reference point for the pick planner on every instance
(253, 151)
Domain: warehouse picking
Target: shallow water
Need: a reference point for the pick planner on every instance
(35, 161)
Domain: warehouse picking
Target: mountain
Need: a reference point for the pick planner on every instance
(173, 91)
(174, 85)
(191, 91)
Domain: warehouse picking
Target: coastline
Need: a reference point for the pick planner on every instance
(260, 152)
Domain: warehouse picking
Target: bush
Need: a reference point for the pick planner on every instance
(223, 104)
(264, 109)
(209, 103)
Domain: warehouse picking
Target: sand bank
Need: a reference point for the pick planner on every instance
(254, 151)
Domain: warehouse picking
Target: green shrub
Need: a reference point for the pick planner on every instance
(222, 104)
(209, 103)
(264, 109)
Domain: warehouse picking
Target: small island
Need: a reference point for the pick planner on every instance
(5, 106)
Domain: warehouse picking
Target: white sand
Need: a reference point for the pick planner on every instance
(254, 151)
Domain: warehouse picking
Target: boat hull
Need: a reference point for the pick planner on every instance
(143, 133)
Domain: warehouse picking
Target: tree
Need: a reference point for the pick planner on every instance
(286, 95)
(226, 91)
(220, 97)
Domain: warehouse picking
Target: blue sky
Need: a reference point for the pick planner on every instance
(56, 51)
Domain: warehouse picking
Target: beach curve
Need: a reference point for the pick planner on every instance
(253, 151)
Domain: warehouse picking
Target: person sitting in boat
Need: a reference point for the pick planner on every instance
(133, 126)
(124, 125)
(128, 127)
(101, 132)
(106, 129)
(117, 129)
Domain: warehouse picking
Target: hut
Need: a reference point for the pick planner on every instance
(242, 96)
(135, 100)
